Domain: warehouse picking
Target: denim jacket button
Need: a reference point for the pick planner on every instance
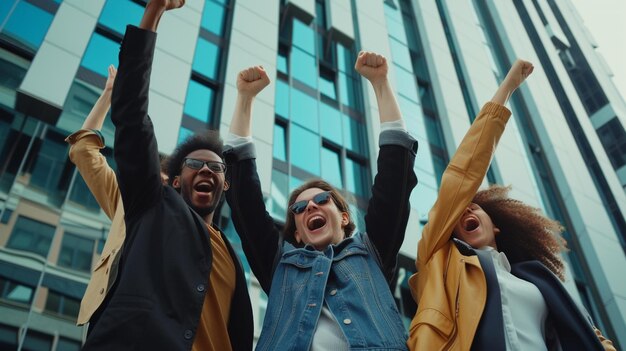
(188, 334)
(333, 292)
(347, 321)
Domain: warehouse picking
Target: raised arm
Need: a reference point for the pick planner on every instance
(388, 208)
(85, 152)
(136, 151)
(259, 236)
(468, 166)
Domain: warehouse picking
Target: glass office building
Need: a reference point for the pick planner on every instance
(564, 149)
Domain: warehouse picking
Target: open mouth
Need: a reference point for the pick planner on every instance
(203, 187)
(471, 224)
(315, 223)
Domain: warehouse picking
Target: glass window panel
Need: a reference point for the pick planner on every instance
(282, 98)
(294, 182)
(183, 134)
(199, 101)
(119, 13)
(304, 149)
(10, 290)
(304, 110)
(206, 58)
(400, 54)
(30, 235)
(345, 61)
(279, 194)
(412, 38)
(396, 29)
(327, 87)
(80, 194)
(37, 341)
(68, 345)
(11, 76)
(28, 24)
(280, 148)
(348, 91)
(5, 7)
(70, 307)
(304, 67)
(331, 168)
(47, 174)
(281, 63)
(213, 17)
(330, 123)
(353, 135)
(407, 84)
(76, 252)
(356, 178)
(434, 132)
(8, 335)
(101, 52)
(303, 37)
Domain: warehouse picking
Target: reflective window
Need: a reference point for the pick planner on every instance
(353, 135)
(279, 193)
(345, 61)
(304, 110)
(282, 99)
(613, 138)
(28, 24)
(183, 134)
(100, 53)
(206, 58)
(348, 91)
(400, 54)
(48, 173)
(330, 123)
(303, 37)
(76, 252)
(32, 236)
(356, 178)
(60, 304)
(119, 13)
(294, 182)
(68, 345)
(327, 86)
(15, 292)
(281, 63)
(80, 194)
(199, 102)
(331, 167)
(12, 72)
(304, 150)
(304, 67)
(37, 341)
(280, 146)
(213, 17)
(8, 335)
(406, 83)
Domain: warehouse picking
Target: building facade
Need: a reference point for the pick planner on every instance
(564, 150)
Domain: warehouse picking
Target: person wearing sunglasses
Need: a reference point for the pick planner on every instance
(181, 285)
(328, 288)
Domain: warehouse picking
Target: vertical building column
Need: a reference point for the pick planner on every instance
(46, 84)
(253, 42)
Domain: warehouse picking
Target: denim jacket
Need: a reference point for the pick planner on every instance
(352, 278)
(347, 277)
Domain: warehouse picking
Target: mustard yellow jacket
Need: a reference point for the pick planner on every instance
(441, 268)
(85, 153)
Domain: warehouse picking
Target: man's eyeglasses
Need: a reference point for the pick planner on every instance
(213, 166)
(319, 199)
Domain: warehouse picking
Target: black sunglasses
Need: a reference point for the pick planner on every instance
(213, 166)
(319, 199)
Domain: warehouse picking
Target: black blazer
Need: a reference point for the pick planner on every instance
(166, 259)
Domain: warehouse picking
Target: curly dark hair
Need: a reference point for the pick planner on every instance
(525, 233)
(208, 140)
(338, 199)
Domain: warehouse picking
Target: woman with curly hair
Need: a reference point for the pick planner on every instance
(489, 269)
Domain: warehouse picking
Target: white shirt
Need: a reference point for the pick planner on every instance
(328, 335)
(524, 310)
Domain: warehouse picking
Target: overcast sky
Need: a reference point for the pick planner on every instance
(606, 20)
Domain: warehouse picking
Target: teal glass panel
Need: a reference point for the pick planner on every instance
(206, 58)
(356, 178)
(331, 168)
(294, 182)
(183, 134)
(101, 52)
(282, 99)
(304, 149)
(213, 17)
(327, 87)
(199, 101)
(280, 146)
(28, 23)
(330, 123)
(353, 135)
(345, 61)
(281, 63)
(32, 236)
(117, 14)
(279, 194)
(76, 252)
(303, 37)
(406, 83)
(400, 55)
(304, 110)
(348, 91)
(304, 67)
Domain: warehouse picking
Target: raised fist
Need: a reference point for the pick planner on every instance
(372, 66)
(252, 80)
